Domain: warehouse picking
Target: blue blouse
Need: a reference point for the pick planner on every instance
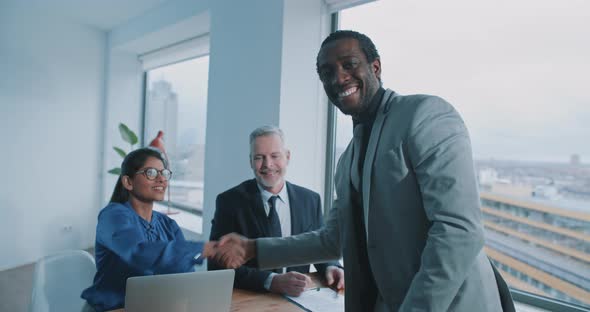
(127, 245)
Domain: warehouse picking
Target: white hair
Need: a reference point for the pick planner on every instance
(264, 131)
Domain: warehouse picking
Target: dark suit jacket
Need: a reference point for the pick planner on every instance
(240, 210)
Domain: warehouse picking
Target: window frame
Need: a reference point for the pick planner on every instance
(545, 303)
(331, 162)
(167, 202)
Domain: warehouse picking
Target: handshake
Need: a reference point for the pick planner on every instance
(231, 251)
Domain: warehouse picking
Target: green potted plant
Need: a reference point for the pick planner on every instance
(128, 136)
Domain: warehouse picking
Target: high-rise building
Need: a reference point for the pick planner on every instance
(162, 106)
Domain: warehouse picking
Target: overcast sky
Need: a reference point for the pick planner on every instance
(517, 71)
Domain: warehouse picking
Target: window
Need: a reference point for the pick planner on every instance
(517, 73)
(176, 103)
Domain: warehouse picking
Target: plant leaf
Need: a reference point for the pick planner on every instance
(115, 171)
(127, 135)
(120, 151)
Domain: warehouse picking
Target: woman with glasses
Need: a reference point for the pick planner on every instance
(134, 240)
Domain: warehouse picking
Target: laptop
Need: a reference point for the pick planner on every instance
(208, 291)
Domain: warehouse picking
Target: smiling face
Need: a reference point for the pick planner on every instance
(349, 80)
(269, 159)
(145, 190)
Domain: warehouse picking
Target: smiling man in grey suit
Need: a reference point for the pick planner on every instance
(407, 214)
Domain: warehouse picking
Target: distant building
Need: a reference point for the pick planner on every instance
(575, 160)
(162, 112)
(546, 191)
(490, 181)
(487, 176)
(540, 249)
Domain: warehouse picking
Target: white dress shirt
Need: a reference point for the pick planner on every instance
(283, 211)
(282, 207)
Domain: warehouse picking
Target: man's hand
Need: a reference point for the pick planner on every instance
(335, 277)
(233, 239)
(233, 250)
(230, 255)
(290, 283)
(209, 249)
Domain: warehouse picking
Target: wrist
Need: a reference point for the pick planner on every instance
(250, 249)
(268, 282)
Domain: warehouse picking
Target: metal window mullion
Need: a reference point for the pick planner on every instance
(330, 139)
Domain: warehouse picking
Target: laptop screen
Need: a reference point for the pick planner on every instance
(184, 292)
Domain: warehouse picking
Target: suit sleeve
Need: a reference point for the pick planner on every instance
(440, 152)
(224, 222)
(319, 222)
(317, 246)
(117, 231)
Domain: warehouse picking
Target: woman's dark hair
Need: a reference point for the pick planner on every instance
(131, 164)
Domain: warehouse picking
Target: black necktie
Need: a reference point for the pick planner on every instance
(273, 217)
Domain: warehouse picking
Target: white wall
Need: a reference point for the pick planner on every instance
(304, 105)
(123, 105)
(157, 19)
(51, 91)
(244, 89)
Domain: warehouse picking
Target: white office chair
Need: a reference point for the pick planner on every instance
(59, 280)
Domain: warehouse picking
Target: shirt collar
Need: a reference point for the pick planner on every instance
(368, 116)
(142, 220)
(283, 195)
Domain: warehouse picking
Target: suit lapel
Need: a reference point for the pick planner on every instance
(370, 154)
(296, 222)
(342, 176)
(255, 199)
(355, 177)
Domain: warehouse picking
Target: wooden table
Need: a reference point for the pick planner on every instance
(245, 300)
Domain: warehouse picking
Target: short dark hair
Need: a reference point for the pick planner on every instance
(131, 164)
(366, 44)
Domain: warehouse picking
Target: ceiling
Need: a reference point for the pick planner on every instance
(102, 14)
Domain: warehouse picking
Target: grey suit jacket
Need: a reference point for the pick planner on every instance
(422, 215)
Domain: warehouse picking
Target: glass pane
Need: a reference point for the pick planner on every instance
(176, 103)
(518, 74)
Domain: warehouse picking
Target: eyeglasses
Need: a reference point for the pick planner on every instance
(152, 173)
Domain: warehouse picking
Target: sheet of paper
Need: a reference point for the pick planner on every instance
(320, 300)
